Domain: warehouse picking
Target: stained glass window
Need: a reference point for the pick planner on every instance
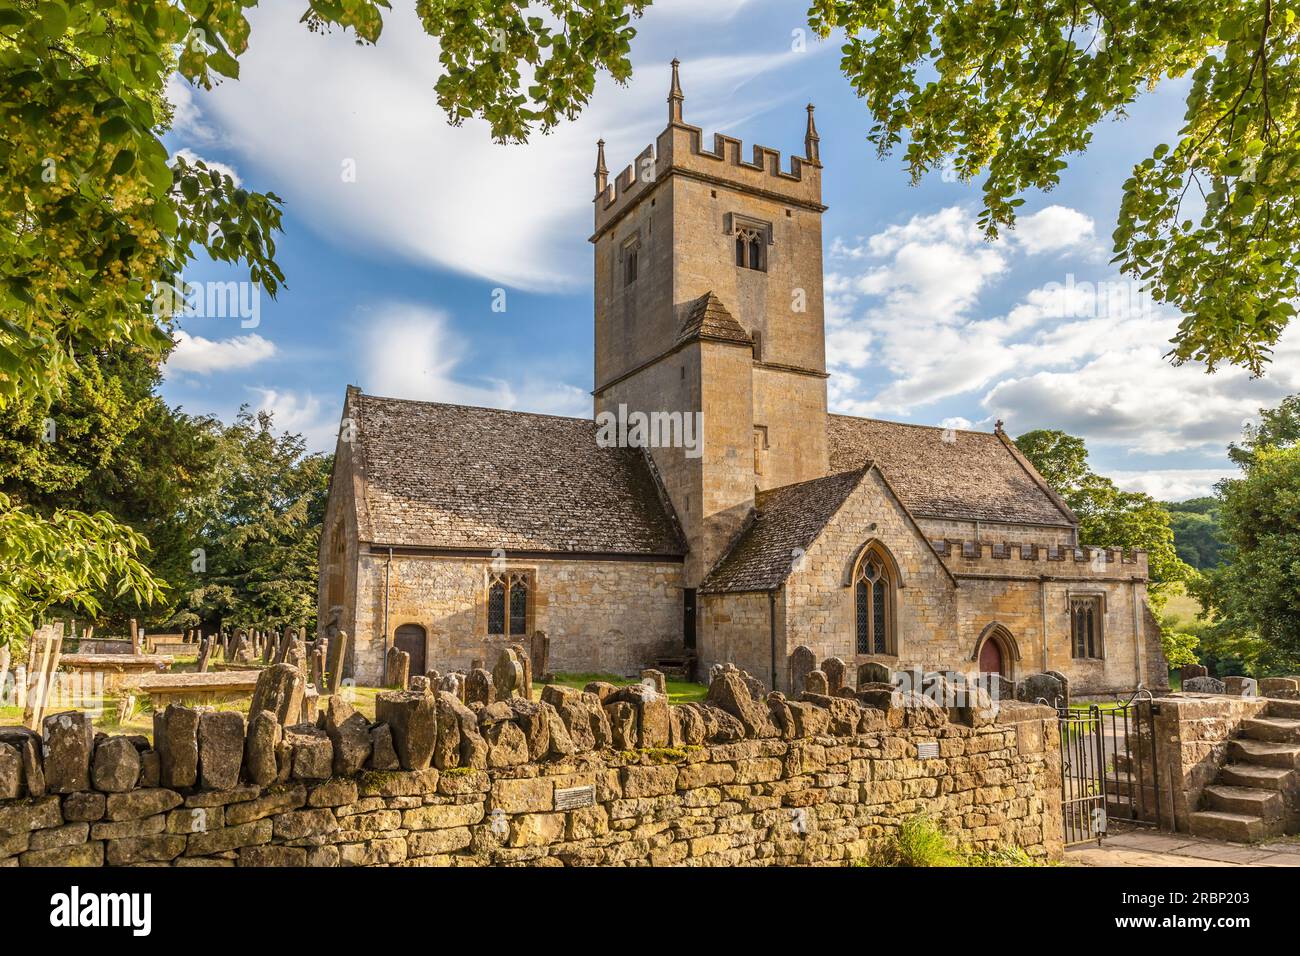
(872, 612)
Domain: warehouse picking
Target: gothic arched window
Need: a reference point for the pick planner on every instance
(749, 249)
(873, 605)
(509, 604)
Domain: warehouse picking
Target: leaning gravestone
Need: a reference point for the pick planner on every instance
(814, 682)
(802, 663)
(1204, 685)
(338, 653)
(1193, 670)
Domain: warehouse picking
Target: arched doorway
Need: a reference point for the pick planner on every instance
(410, 638)
(991, 658)
(996, 651)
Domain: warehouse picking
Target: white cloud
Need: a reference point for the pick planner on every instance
(411, 351)
(1125, 393)
(1084, 356)
(193, 157)
(310, 108)
(1054, 229)
(1171, 484)
(193, 353)
(187, 118)
(302, 413)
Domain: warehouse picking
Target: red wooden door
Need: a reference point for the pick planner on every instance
(991, 657)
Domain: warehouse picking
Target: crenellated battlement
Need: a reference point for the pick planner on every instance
(1005, 556)
(680, 150)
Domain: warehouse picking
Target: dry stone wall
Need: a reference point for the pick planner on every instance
(606, 776)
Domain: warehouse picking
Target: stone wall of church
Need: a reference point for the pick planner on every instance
(950, 595)
(819, 602)
(736, 629)
(601, 616)
(939, 528)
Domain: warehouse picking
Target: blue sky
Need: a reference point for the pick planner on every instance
(401, 233)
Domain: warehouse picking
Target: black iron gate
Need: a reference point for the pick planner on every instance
(1108, 767)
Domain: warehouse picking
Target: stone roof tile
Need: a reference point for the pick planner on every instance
(946, 473)
(786, 521)
(455, 476)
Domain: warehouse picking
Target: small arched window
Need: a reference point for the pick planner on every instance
(749, 249)
(874, 609)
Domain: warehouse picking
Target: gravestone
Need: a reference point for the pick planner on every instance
(1194, 670)
(478, 687)
(507, 674)
(814, 682)
(1046, 686)
(541, 652)
(336, 659)
(873, 672)
(836, 672)
(525, 689)
(1204, 685)
(398, 668)
(453, 684)
(802, 663)
(205, 653)
(655, 677)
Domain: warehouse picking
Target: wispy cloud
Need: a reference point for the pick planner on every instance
(375, 162)
(194, 353)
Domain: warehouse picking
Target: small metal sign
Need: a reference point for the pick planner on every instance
(574, 798)
(927, 750)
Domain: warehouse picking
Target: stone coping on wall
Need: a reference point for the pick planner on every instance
(602, 776)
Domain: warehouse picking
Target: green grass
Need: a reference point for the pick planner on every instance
(679, 691)
(921, 841)
(1180, 606)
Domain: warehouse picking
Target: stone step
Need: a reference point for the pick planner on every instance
(1255, 775)
(1268, 754)
(1236, 827)
(1284, 708)
(1281, 730)
(1249, 801)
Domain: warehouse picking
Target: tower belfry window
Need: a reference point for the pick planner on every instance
(751, 238)
(750, 250)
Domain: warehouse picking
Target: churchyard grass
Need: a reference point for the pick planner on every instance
(679, 691)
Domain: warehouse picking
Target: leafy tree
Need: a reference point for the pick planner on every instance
(1211, 222)
(97, 224)
(260, 530)
(1277, 428)
(1196, 531)
(64, 561)
(109, 443)
(1255, 595)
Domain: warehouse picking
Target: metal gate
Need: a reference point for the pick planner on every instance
(1108, 767)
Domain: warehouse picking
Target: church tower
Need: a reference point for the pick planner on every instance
(708, 287)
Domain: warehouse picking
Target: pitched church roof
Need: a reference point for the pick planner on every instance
(969, 476)
(709, 319)
(786, 521)
(460, 477)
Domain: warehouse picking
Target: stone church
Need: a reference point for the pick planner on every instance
(452, 531)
